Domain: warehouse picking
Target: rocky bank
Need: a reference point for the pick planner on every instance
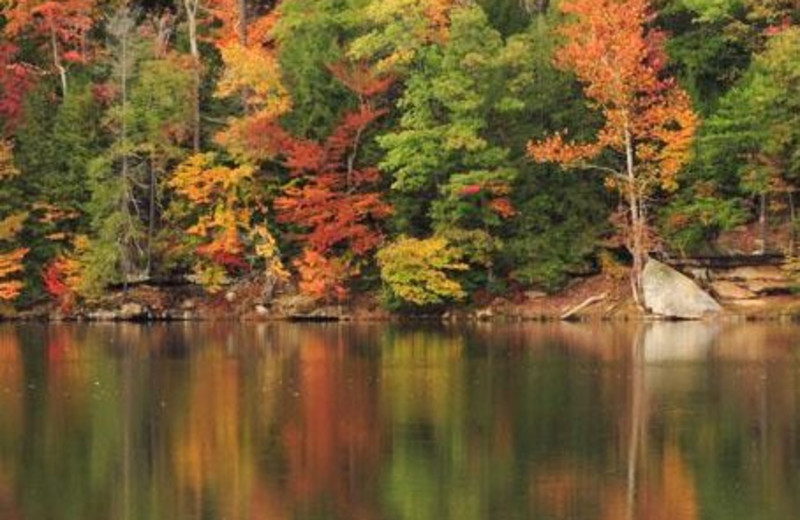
(753, 293)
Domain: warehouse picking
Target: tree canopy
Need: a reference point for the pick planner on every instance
(416, 148)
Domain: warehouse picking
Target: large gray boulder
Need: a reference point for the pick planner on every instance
(670, 294)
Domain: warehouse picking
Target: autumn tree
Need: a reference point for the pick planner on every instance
(15, 80)
(219, 195)
(333, 198)
(230, 37)
(649, 121)
(11, 255)
(62, 27)
(63, 276)
(11, 265)
(230, 226)
(416, 271)
(253, 73)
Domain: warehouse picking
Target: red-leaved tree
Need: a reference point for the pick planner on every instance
(332, 198)
(15, 79)
(62, 27)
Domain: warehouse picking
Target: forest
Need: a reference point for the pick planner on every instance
(434, 152)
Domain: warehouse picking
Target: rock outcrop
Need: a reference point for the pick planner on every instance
(744, 283)
(671, 294)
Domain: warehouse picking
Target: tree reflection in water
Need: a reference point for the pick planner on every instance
(675, 421)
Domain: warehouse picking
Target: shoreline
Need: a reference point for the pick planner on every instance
(744, 294)
(771, 309)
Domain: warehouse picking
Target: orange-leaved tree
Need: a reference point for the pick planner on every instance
(10, 266)
(333, 198)
(649, 121)
(252, 71)
(244, 22)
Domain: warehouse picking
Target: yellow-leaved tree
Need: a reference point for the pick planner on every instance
(11, 259)
(251, 71)
(226, 199)
(417, 271)
(223, 203)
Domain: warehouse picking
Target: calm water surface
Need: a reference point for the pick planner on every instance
(312, 422)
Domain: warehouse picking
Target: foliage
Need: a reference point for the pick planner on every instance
(8, 169)
(310, 35)
(220, 226)
(649, 121)
(10, 265)
(400, 29)
(755, 131)
(749, 145)
(252, 71)
(621, 66)
(451, 172)
(10, 227)
(62, 27)
(696, 216)
(417, 271)
(334, 202)
(228, 138)
(322, 277)
(556, 231)
(15, 80)
(63, 277)
(332, 199)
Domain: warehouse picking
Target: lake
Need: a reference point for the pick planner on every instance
(671, 421)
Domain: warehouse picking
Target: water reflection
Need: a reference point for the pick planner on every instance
(677, 421)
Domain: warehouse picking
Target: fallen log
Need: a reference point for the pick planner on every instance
(584, 304)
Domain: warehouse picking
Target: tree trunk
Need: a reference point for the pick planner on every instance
(242, 22)
(762, 221)
(151, 217)
(124, 260)
(792, 219)
(191, 19)
(62, 71)
(637, 246)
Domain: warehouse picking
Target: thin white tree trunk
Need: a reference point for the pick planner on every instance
(637, 226)
(191, 7)
(62, 71)
(124, 202)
